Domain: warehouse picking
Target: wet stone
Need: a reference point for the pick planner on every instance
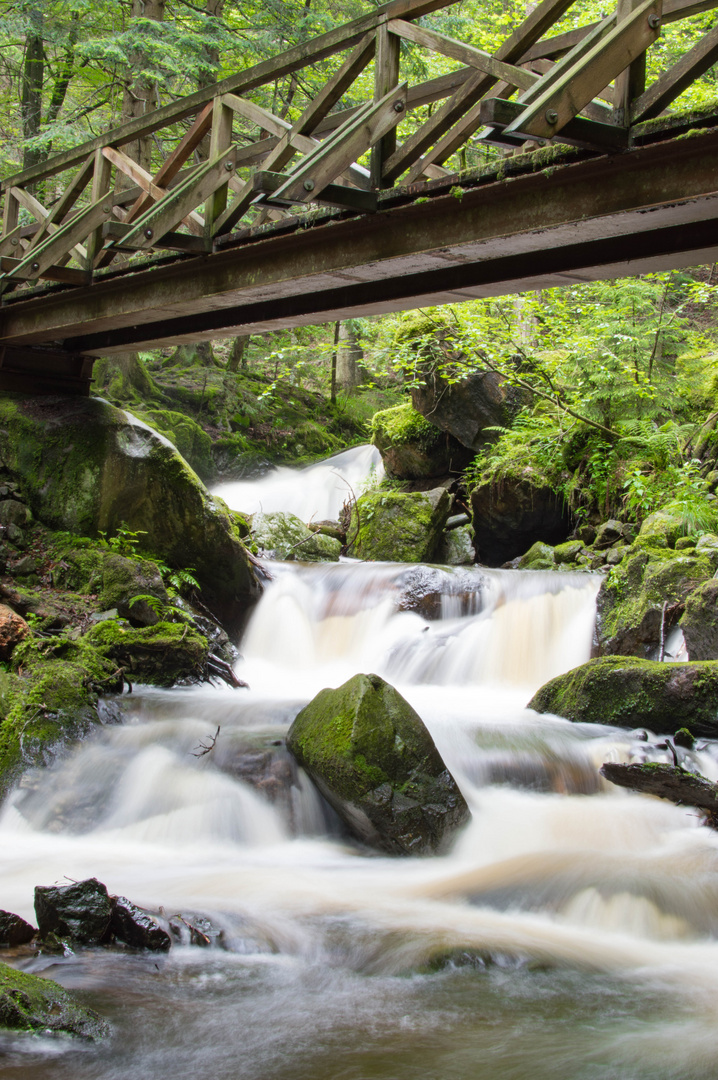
(136, 927)
(14, 930)
(80, 912)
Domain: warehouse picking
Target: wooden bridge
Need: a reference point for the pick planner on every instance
(252, 221)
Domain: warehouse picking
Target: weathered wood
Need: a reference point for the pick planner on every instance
(564, 98)
(386, 75)
(68, 275)
(220, 142)
(101, 177)
(52, 249)
(572, 57)
(465, 54)
(41, 214)
(667, 782)
(10, 242)
(677, 79)
(45, 371)
(66, 202)
(577, 132)
(630, 83)
(267, 182)
(117, 231)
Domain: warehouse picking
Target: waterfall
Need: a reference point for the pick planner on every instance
(569, 933)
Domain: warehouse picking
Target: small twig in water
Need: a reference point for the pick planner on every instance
(203, 748)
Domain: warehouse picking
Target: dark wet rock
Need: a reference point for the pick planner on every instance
(80, 912)
(586, 533)
(511, 515)
(464, 409)
(700, 622)
(14, 930)
(136, 927)
(31, 1003)
(431, 591)
(371, 756)
(670, 782)
(13, 630)
(628, 692)
(394, 526)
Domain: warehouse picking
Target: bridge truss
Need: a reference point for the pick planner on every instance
(86, 228)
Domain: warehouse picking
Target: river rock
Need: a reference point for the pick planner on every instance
(80, 912)
(87, 467)
(539, 556)
(14, 930)
(395, 526)
(283, 536)
(510, 516)
(700, 622)
(464, 409)
(457, 548)
(123, 580)
(413, 448)
(136, 927)
(371, 756)
(159, 654)
(630, 693)
(31, 1003)
(13, 630)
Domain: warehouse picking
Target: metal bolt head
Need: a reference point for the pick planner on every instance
(309, 185)
(106, 209)
(551, 116)
(399, 106)
(35, 266)
(149, 233)
(228, 166)
(654, 21)
(15, 241)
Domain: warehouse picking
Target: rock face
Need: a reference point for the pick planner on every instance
(374, 761)
(456, 547)
(284, 536)
(13, 630)
(88, 467)
(413, 448)
(80, 912)
(159, 654)
(137, 927)
(700, 622)
(14, 930)
(629, 692)
(124, 579)
(393, 526)
(511, 516)
(464, 409)
(30, 1003)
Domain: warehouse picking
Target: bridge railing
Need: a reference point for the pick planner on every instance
(235, 163)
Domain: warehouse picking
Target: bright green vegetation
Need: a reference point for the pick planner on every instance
(372, 757)
(403, 424)
(31, 1003)
(397, 527)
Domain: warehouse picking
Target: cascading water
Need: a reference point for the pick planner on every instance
(569, 934)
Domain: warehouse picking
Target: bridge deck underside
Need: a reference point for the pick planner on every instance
(653, 208)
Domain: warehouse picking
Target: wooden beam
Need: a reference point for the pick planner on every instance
(53, 248)
(38, 211)
(101, 177)
(386, 76)
(171, 241)
(465, 54)
(347, 198)
(66, 274)
(66, 202)
(220, 143)
(565, 97)
(578, 131)
(630, 83)
(45, 371)
(677, 79)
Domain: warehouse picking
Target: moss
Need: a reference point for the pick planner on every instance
(159, 654)
(398, 527)
(629, 692)
(193, 443)
(31, 1003)
(403, 424)
(540, 556)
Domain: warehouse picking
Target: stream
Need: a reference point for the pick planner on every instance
(568, 934)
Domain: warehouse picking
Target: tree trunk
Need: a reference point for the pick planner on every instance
(349, 357)
(667, 782)
(140, 95)
(333, 395)
(126, 376)
(33, 74)
(238, 356)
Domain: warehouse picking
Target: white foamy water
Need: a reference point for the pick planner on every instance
(569, 932)
(315, 493)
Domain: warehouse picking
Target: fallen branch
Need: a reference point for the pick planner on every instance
(205, 748)
(667, 782)
(224, 671)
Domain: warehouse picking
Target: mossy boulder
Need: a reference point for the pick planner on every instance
(457, 547)
(284, 536)
(511, 513)
(412, 448)
(645, 595)
(123, 580)
(371, 756)
(394, 526)
(539, 556)
(31, 1003)
(465, 409)
(664, 527)
(160, 654)
(700, 622)
(628, 692)
(193, 443)
(569, 552)
(86, 467)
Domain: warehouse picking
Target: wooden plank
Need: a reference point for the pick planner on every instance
(332, 157)
(465, 54)
(101, 178)
(177, 203)
(10, 242)
(171, 241)
(54, 247)
(220, 142)
(386, 76)
(674, 81)
(578, 131)
(268, 183)
(630, 83)
(549, 112)
(256, 114)
(68, 199)
(41, 214)
(543, 15)
(66, 274)
(572, 57)
(11, 213)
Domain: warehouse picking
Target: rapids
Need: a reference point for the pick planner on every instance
(569, 934)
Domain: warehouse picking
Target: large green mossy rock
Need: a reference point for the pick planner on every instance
(193, 443)
(700, 622)
(87, 467)
(412, 448)
(391, 526)
(371, 756)
(284, 536)
(629, 692)
(30, 1003)
(644, 596)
